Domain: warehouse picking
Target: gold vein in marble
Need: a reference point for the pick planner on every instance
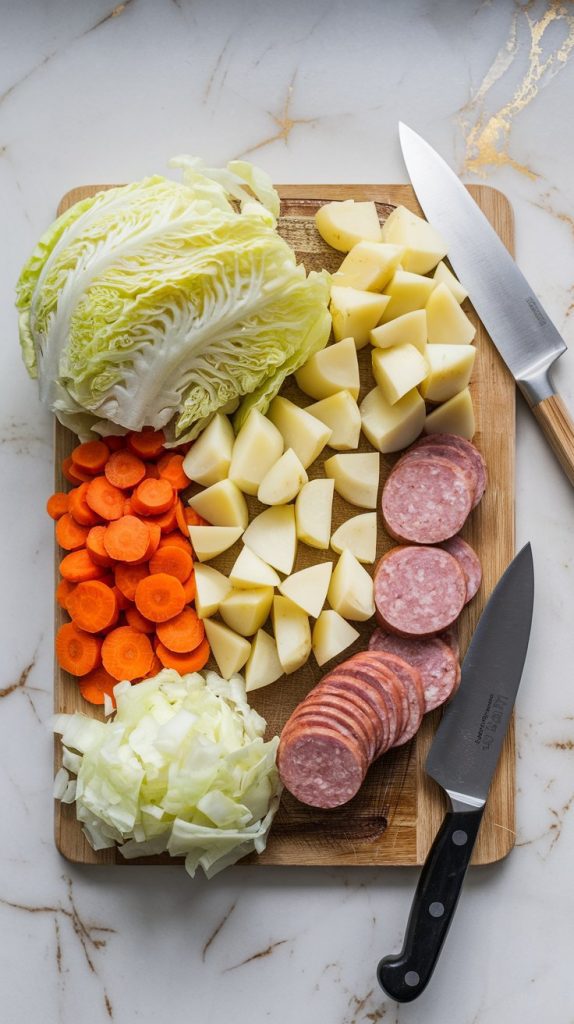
(488, 138)
(285, 123)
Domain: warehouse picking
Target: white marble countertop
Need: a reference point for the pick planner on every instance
(312, 90)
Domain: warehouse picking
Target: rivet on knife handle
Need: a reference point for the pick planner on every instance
(405, 976)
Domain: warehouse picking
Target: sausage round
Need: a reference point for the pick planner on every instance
(469, 562)
(419, 591)
(469, 450)
(426, 501)
(320, 767)
(434, 659)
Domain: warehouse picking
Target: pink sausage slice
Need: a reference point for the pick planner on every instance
(419, 591)
(469, 562)
(469, 450)
(433, 658)
(320, 767)
(426, 501)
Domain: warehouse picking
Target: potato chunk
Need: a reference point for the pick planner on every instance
(245, 611)
(359, 535)
(257, 447)
(356, 477)
(210, 541)
(369, 266)
(343, 224)
(424, 247)
(331, 635)
(340, 413)
(229, 650)
(398, 370)
(443, 275)
(408, 329)
(351, 589)
(449, 371)
(283, 481)
(407, 292)
(355, 313)
(211, 587)
(251, 571)
(453, 417)
(300, 431)
(207, 461)
(308, 587)
(333, 369)
(392, 427)
(446, 321)
(273, 537)
(263, 666)
(222, 504)
(292, 634)
(313, 511)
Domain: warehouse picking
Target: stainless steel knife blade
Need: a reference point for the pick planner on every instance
(466, 747)
(520, 328)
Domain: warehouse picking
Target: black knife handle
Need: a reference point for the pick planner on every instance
(405, 976)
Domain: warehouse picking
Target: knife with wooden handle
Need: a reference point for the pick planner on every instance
(519, 327)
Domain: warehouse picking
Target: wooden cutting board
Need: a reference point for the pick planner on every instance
(394, 818)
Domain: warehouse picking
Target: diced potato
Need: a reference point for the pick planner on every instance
(210, 541)
(222, 504)
(245, 611)
(449, 371)
(263, 666)
(292, 634)
(355, 313)
(398, 370)
(343, 224)
(300, 431)
(408, 329)
(356, 477)
(333, 369)
(313, 511)
(424, 246)
(308, 587)
(207, 461)
(407, 292)
(211, 587)
(229, 650)
(251, 571)
(359, 536)
(273, 537)
(331, 635)
(447, 323)
(257, 447)
(369, 266)
(283, 481)
(341, 413)
(443, 275)
(453, 417)
(392, 427)
(351, 589)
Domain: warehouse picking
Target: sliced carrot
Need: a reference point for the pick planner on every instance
(175, 540)
(77, 567)
(77, 652)
(172, 560)
(95, 546)
(183, 633)
(128, 508)
(189, 588)
(73, 474)
(57, 505)
(137, 621)
(127, 539)
(115, 442)
(124, 469)
(156, 666)
(184, 663)
(63, 591)
(167, 521)
(126, 654)
(148, 444)
(69, 534)
(121, 619)
(154, 540)
(152, 497)
(170, 468)
(92, 606)
(128, 577)
(90, 457)
(96, 684)
(188, 517)
(78, 506)
(159, 597)
(105, 499)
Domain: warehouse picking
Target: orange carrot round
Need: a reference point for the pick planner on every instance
(124, 469)
(92, 606)
(189, 587)
(188, 517)
(73, 474)
(69, 534)
(155, 667)
(96, 684)
(105, 499)
(152, 497)
(154, 539)
(194, 661)
(90, 457)
(57, 505)
(63, 591)
(126, 654)
(127, 539)
(170, 468)
(175, 540)
(137, 621)
(95, 546)
(173, 560)
(77, 567)
(128, 576)
(183, 633)
(77, 652)
(78, 506)
(167, 521)
(148, 444)
(159, 597)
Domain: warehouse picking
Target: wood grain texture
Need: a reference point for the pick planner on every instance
(394, 818)
(556, 422)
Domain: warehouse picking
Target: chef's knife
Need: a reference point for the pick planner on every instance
(519, 327)
(462, 759)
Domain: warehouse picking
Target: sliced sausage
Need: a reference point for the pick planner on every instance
(419, 591)
(451, 454)
(434, 659)
(426, 501)
(469, 450)
(450, 637)
(320, 767)
(338, 718)
(469, 562)
(362, 719)
(410, 678)
(375, 700)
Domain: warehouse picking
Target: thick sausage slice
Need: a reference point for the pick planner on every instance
(434, 659)
(451, 454)
(345, 708)
(320, 767)
(469, 450)
(321, 712)
(426, 500)
(469, 562)
(419, 591)
(410, 678)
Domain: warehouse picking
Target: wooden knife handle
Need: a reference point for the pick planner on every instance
(557, 424)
